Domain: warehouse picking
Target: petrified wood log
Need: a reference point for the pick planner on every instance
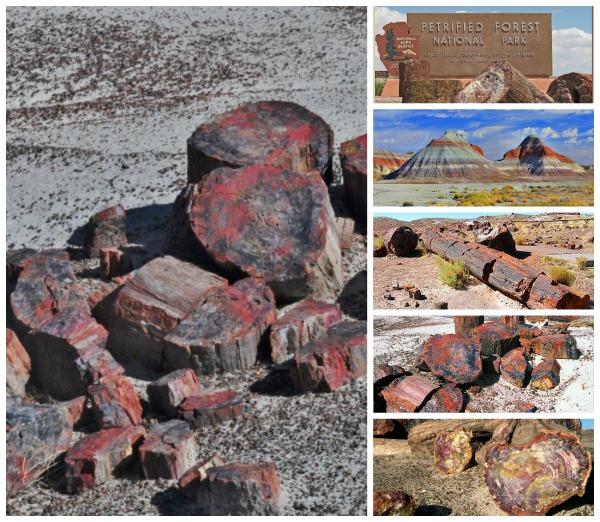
(514, 367)
(407, 394)
(556, 346)
(546, 293)
(496, 236)
(168, 392)
(431, 91)
(513, 321)
(212, 408)
(353, 159)
(546, 375)
(530, 479)
(393, 503)
(453, 452)
(18, 365)
(401, 241)
(500, 82)
(454, 358)
(449, 398)
(270, 223)
(382, 427)
(495, 338)
(105, 229)
(572, 88)
(411, 70)
(191, 480)
(465, 324)
(115, 403)
(280, 134)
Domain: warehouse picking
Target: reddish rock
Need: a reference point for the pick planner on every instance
(302, 324)
(168, 392)
(353, 159)
(513, 321)
(495, 338)
(514, 367)
(453, 451)
(18, 365)
(99, 295)
(76, 410)
(240, 489)
(454, 358)
(382, 427)
(274, 224)
(105, 229)
(572, 88)
(151, 304)
(35, 437)
(114, 262)
(383, 371)
(447, 399)
(280, 134)
(224, 331)
(211, 408)
(528, 332)
(191, 480)
(546, 375)
(407, 394)
(115, 404)
(98, 457)
(465, 324)
(557, 346)
(546, 293)
(168, 451)
(393, 503)
(525, 407)
(332, 360)
(401, 241)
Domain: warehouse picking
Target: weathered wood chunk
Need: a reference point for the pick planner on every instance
(223, 333)
(495, 338)
(353, 159)
(191, 480)
(105, 229)
(168, 392)
(533, 478)
(115, 403)
(393, 503)
(448, 399)
(211, 408)
(18, 365)
(452, 451)
(382, 427)
(240, 489)
(100, 456)
(270, 223)
(333, 359)
(168, 451)
(302, 324)
(465, 324)
(556, 346)
(572, 88)
(454, 358)
(280, 134)
(495, 236)
(151, 304)
(407, 394)
(512, 277)
(514, 368)
(546, 293)
(546, 375)
(401, 241)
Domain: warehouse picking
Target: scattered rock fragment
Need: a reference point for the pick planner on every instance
(211, 408)
(191, 480)
(168, 451)
(115, 403)
(105, 229)
(455, 358)
(546, 375)
(407, 394)
(18, 365)
(353, 159)
(514, 368)
(393, 503)
(525, 407)
(167, 393)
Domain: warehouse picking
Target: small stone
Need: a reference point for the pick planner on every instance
(525, 407)
(100, 456)
(546, 375)
(240, 489)
(105, 229)
(168, 392)
(514, 367)
(115, 404)
(18, 365)
(393, 503)
(114, 262)
(168, 451)
(211, 408)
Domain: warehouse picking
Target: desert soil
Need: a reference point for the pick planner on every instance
(100, 102)
(398, 340)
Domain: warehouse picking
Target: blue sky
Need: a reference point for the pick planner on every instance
(568, 132)
(587, 423)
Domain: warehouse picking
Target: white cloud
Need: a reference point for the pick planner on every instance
(572, 134)
(571, 51)
(486, 131)
(549, 132)
(529, 131)
(383, 16)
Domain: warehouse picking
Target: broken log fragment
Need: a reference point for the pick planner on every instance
(572, 88)
(401, 241)
(465, 324)
(353, 160)
(452, 451)
(407, 394)
(280, 134)
(105, 229)
(531, 479)
(556, 346)
(495, 338)
(382, 427)
(546, 375)
(454, 358)
(501, 82)
(448, 399)
(496, 236)
(393, 503)
(514, 367)
(546, 293)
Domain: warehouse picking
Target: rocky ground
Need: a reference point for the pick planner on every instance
(398, 340)
(100, 102)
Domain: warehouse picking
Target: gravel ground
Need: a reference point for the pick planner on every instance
(100, 102)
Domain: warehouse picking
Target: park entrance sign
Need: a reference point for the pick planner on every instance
(460, 45)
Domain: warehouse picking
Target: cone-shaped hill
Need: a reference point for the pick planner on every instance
(384, 161)
(450, 156)
(534, 158)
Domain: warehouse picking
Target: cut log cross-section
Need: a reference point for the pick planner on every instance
(401, 241)
(572, 88)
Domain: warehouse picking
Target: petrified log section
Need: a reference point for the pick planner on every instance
(505, 273)
(495, 338)
(411, 70)
(500, 82)
(353, 159)
(452, 451)
(211, 408)
(431, 91)
(18, 365)
(280, 134)
(546, 375)
(168, 392)
(115, 403)
(448, 398)
(192, 479)
(572, 88)
(514, 367)
(407, 394)
(270, 223)
(452, 357)
(401, 241)
(393, 503)
(465, 324)
(532, 478)
(496, 236)
(555, 346)
(513, 321)
(105, 229)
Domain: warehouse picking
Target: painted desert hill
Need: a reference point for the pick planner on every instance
(386, 161)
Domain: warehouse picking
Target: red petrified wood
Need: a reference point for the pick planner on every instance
(224, 331)
(465, 324)
(168, 451)
(452, 451)
(495, 338)
(382, 427)
(407, 394)
(452, 357)
(168, 392)
(96, 457)
(353, 158)
(115, 403)
(302, 324)
(448, 399)
(191, 480)
(114, 262)
(393, 503)
(106, 229)
(18, 365)
(556, 346)
(546, 375)
(281, 134)
(332, 360)
(240, 489)
(211, 408)
(514, 367)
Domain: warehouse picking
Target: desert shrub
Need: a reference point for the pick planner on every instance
(377, 242)
(562, 275)
(519, 239)
(581, 262)
(379, 83)
(555, 261)
(408, 204)
(453, 274)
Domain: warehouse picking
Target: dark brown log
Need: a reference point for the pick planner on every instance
(514, 367)
(452, 357)
(393, 503)
(495, 338)
(431, 91)
(500, 82)
(532, 478)
(546, 375)
(496, 236)
(401, 241)
(572, 88)
(453, 452)
(465, 324)
(407, 394)
(353, 160)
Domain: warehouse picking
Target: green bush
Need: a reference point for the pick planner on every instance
(581, 262)
(561, 275)
(379, 83)
(454, 274)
